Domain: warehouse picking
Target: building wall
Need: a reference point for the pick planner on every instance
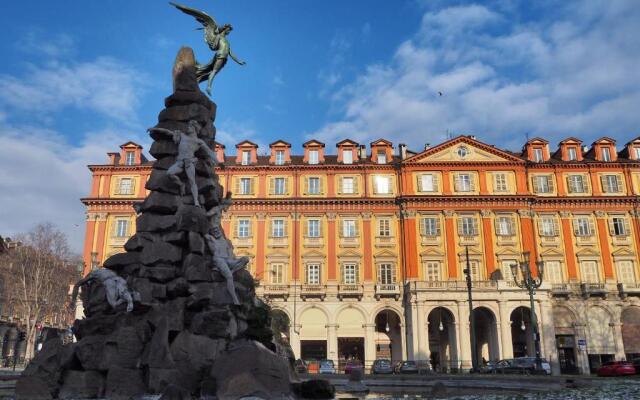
(432, 208)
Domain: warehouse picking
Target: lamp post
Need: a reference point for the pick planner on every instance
(530, 283)
(472, 323)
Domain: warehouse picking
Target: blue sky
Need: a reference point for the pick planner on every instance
(80, 78)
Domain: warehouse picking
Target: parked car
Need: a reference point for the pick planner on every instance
(491, 367)
(523, 365)
(301, 366)
(351, 365)
(616, 368)
(406, 367)
(636, 364)
(327, 367)
(382, 366)
(313, 366)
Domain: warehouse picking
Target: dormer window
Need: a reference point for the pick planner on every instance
(347, 156)
(637, 150)
(130, 158)
(279, 157)
(572, 154)
(538, 155)
(313, 157)
(606, 154)
(382, 157)
(246, 157)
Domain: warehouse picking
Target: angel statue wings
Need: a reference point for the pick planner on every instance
(216, 37)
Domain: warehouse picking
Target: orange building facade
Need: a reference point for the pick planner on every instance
(363, 250)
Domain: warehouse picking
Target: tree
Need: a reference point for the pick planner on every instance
(35, 278)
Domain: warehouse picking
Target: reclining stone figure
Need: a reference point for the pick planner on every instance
(114, 286)
(224, 260)
(188, 144)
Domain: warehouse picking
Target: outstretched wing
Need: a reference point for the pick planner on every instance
(205, 19)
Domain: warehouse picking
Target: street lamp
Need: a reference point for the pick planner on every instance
(472, 323)
(530, 283)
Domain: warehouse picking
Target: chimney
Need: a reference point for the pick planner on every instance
(114, 158)
(363, 152)
(427, 146)
(585, 149)
(402, 149)
(472, 137)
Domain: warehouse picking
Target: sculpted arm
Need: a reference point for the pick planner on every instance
(175, 135)
(211, 153)
(235, 58)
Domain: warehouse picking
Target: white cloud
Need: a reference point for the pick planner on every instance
(50, 45)
(572, 73)
(105, 85)
(43, 177)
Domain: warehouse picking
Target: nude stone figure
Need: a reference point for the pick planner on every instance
(188, 144)
(224, 260)
(114, 286)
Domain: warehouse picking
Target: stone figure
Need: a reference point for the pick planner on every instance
(224, 260)
(114, 285)
(216, 37)
(188, 144)
(215, 213)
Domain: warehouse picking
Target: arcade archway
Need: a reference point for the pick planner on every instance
(388, 336)
(442, 340)
(521, 332)
(486, 335)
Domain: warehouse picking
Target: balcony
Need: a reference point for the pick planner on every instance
(431, 240)
(549, 240)
(560, 290)
(387, 290)
(350, 241)
(385, 241)
(311, 291)
(242, 241)
(454, 285)
(593, 290)
(310, 241)
(350, 291)
(278, 241)
(629, 289)
(276, 291)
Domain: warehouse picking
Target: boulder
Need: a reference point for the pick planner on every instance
(90, 353)
(163, 148)
(193, 111)
(196, 243)
(117, 261)
(81, 385)
(124, 383)
(250, 369)
(154, 223)
(161, 203)
(33, 388)
(175, 392)
(215, 324)
(160, 252)
(159, 273)
(193, 356)
(193, 219)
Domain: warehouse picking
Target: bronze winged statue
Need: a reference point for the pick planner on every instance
(216, 37)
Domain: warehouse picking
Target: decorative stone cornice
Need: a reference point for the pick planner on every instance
(601, 214)
(408, 213)
(448, 213)
(366, 216)
(331, 216)
(526, 213)
(486, 213)
(261, 216)
(565, 214)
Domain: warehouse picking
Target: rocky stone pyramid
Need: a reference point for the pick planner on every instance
(185, 337)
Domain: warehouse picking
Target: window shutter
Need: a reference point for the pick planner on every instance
(357, 228)
(357, 273)
(435, 182)
(117, 188)
(536, 184)
(550, 182)
(420, 188)
(603, 183)
(585, 183)
(423, 226)
(460, 231)
(320, 227)
(512, 226)
(234, 228)
(237, 185)
(570, 185)
(306, 228)
(376, 189)
(355, 184)
(320, 185)
(272, 185)
(576, 231)
(496, 224)
(619, 183)
(285, 225)
(251, 185)
(556, 228)
(472, 183)
(437, 226)
(627, 228)
(592, 229)
(612, 231)
(114, 227)
(340, 183)
(341, 228)
(456, 183)
(540, 223)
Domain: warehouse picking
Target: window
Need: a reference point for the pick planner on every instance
(463, 183)
(126, 186)
(626, 273)
(313, 228)
(384, 227)
(313, 185)
(381, 184)
(582, 226)
(314, 157)
(504, 226)
(279, 157)
(553, 271)
(572, 154)
(542, 184)
(386, 274)
(606, 154)
(349, 228)
(349, 274)
(278, 228)
(500, 182)
(122, 228)
(432, 271)
(279, 185)
(428, 183)
(611, 183)
(576, 184)
(619, 226)
(467, 226)
(277, 274)
(430, 226)
(313, 274)
(538, 155)
(244, 186)
(347, 156)
(130, 158)
(589, 271)
(548, 226)
(246, 157)
(382, 157)
(348, 185)
(244, 228)
(637, 149)
(462, 152)
(505, 268)
(475, 270)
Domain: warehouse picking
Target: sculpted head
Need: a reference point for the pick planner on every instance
(226, 29)
(193, 127)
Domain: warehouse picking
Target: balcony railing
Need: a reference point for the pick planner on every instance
(313, 291)
(593, 289)
(350, 291)
(387, 290)
(276, 291)
(455, 285)
(278, 241)
(385, 241)
(560, 289)
(629, 289)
